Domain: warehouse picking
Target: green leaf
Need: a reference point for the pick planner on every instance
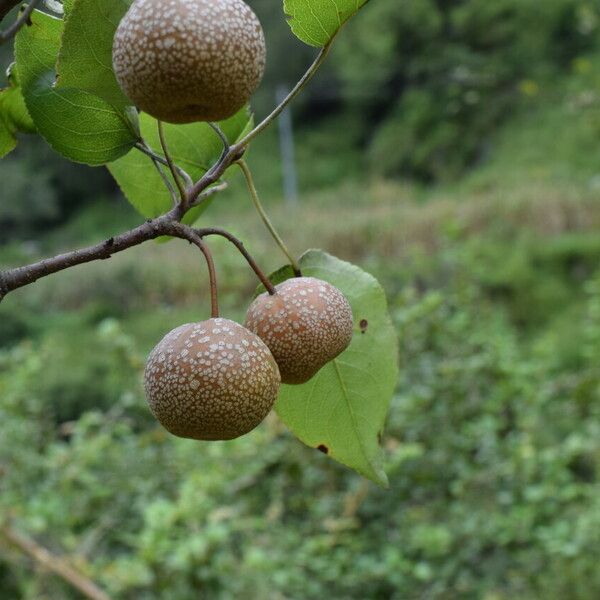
(85, 59)
(194, 147)
(316, 22)
(342, 409)
(15, 103)
(13, 118)
(77, 124)
(8, 140)
(282, 274)
(13, 115)
(68, 6)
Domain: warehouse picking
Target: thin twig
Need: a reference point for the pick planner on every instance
(265, 218)
(195, 237)
(166, 224)
(174, 173)
(143, 147)
(212, 274)
(22, 276)
(4, 289)
(222, 136)
(13, 279)
(21, 20)
(240, 246)
(209, 178)
(314, 67)
(211, 191)
(236, 151)
(55, 564)
(159, 167)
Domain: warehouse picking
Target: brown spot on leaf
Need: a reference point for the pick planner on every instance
(323, 448)
(363, 325)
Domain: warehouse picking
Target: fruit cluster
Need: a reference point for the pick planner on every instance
(217, 380)
(200, 60)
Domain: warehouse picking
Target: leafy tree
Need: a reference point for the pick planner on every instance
(72, 81)
(436, 78)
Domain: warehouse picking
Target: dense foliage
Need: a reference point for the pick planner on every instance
(437, 77)
(421, 89)
(492, 446)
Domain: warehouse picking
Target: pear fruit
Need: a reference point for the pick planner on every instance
(183, 61)
(213, 380)
(305, 324)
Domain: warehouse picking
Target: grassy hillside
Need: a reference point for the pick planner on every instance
(492, 446)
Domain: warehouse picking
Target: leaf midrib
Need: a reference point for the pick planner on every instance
(351, 411)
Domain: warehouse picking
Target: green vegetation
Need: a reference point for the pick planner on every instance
(492, 447)
(492, 272)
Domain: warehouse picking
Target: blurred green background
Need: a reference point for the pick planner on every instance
(451, 148)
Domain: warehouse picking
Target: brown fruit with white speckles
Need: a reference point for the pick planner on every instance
(213, 380)
(306, 324)
(189, 60)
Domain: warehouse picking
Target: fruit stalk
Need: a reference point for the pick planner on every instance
(314, 67)
(195, 239)
(157, 158)
(170, 163)
(12, 279)
(265, 218)
(159, 168)
(240, 246)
